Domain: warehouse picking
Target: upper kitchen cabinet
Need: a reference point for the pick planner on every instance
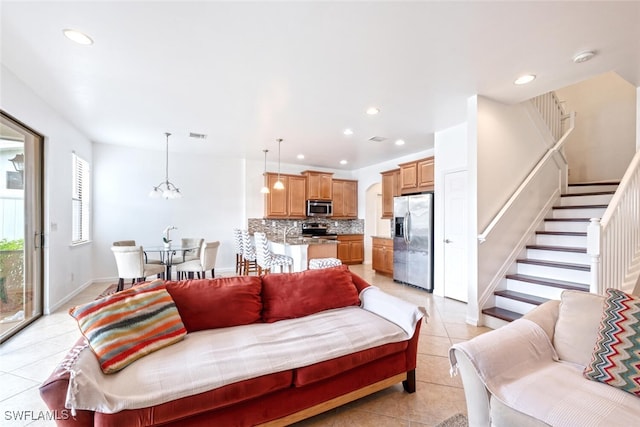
(390, 189)
(289, 202)
(319, 185)
(417, 176)
(345, 198)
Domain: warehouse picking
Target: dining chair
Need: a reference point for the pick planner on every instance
(249, 263)
(133, 243)
(206, 262)
(266, 259)
(237, 244)
(131, 265)
(191, 242)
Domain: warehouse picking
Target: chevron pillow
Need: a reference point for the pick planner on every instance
(616, 357)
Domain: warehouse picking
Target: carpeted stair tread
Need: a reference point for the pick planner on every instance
(520, 296)
(562, 284)
(558, 248)
(580, 207)
(502, 314)
(587, 184)
(555, 264)
(592, 193)
(563, 233)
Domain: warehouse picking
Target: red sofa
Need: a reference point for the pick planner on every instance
(280, 398)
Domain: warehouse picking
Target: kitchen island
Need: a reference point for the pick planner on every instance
(302, 249)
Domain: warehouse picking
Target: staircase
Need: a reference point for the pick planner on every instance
(557, 259)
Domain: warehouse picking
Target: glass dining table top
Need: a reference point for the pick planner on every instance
(167, 253)
(172, 248)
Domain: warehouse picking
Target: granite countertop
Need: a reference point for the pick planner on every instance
(304, 241)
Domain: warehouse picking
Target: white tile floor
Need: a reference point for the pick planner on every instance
(28, 358)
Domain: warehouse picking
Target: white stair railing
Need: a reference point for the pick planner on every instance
(552, 112)
(613, 241)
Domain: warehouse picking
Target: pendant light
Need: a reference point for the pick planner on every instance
(278, 185)
(169, 191)
(265, 188)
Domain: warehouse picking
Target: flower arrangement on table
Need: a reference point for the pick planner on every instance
(166, 239)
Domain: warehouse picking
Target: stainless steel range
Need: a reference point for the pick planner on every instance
(316, 230)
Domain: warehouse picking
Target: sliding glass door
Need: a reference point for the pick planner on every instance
(21, 216)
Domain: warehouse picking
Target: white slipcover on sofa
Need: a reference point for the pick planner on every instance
(530, 372)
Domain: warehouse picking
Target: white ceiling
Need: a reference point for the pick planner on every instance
(248, 73)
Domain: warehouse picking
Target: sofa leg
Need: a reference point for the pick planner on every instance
(410, 383)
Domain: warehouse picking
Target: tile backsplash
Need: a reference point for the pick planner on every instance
(274, 228)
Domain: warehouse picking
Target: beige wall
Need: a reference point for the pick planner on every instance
(604, 139)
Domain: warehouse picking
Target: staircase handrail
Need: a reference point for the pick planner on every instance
(614, 239)
(549, 154)
(622, 189)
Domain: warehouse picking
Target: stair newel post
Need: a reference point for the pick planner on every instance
(593, 250)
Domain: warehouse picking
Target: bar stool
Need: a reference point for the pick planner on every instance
(249, 262)
(237, 244)
(266, 259)
(319, 263)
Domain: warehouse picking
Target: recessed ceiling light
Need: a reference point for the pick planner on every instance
(372, 111)
(583, 56)
(343, 162)
(77, 36)
(399, 141)
(348, 132)
(300, 156)
(523, 80)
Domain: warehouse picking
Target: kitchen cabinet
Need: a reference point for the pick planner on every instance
(351, 248)
(319, 185)
(345, 198)
(417, 176)
(382, 255)
(289, 202)
(390, 189)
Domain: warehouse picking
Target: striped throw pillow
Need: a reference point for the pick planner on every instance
(616, 356)
(126, 326)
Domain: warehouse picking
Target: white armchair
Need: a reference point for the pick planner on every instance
(194, 254)
(133, 243)
(131, 265)
(206, 262)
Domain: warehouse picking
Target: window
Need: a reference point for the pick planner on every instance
(80, 208)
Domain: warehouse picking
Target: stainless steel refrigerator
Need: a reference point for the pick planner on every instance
(413, 240)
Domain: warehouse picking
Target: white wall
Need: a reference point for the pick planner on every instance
(66, 268)
(451, 152)
(509, 146)
(604, 139)
(213, 201)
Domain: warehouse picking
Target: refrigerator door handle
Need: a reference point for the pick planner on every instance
(407, 227)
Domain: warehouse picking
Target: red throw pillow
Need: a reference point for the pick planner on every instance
(292, 295)
(217, 303)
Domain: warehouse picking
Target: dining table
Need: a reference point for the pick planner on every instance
(168, 255)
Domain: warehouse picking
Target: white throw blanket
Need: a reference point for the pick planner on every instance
(396, 310)
(209, 359)
(519, 366)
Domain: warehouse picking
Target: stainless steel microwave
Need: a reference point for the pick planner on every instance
(319, 208)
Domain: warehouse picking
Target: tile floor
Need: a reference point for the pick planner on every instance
(29, 357)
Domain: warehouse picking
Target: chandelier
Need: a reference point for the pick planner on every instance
(278, 185)
(166, 189)
(265, 189)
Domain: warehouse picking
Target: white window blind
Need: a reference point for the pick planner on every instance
(80, 207)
